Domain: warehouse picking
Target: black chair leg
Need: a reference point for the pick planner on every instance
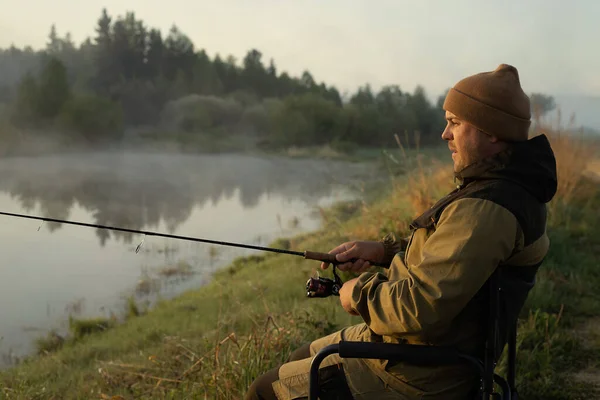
(313, 390)
(506, 392)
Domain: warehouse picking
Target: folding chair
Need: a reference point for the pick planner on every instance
(437, 355)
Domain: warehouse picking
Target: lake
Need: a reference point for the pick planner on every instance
(50, 271)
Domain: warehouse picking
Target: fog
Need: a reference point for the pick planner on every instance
(52, 270)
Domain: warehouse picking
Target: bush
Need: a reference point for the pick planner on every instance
(94, 118)
(256, 120)
(306, 120)
(49, 343)
(82, 327)
(198, 113)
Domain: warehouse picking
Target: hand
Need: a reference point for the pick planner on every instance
(346, 296)
(363, 251)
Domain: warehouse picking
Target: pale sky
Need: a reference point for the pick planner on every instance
(555, 44)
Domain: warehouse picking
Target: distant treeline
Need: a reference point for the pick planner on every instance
(130, 75)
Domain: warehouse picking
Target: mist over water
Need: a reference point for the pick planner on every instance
(52, 270)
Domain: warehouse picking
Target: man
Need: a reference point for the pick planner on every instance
(434, 291)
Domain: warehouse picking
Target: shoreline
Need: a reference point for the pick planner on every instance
(131, 304)
(214, 340)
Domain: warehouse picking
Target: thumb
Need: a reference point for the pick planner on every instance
(347, 255)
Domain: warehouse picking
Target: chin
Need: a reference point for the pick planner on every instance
(456, 166)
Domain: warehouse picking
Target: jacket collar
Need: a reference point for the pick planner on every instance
(480, 168)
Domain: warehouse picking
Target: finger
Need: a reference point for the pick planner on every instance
(348, 254)
(356, 265)
(345, 266)
(341, 248)
(360, 266)
(363, 266)
(336, 250)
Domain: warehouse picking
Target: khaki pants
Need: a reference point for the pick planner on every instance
(293, 382)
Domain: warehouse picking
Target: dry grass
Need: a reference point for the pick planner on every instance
(426, 179)
(425, 186)
(222, 372)
(573, 153)
(593, 169)
(213, 342)
(577, 157)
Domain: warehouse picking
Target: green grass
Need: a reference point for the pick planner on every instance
(213, 341)
(551, 350)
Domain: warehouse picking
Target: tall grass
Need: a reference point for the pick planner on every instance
(574, 151)
(211, 343)
(549, 354)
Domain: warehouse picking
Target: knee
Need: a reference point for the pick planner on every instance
(262, 387)
(300, 353)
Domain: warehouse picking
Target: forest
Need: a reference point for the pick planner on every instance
(132, 80)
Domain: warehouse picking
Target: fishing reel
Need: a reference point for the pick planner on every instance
(324, 287)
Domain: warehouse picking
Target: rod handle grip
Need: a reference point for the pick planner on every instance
(330, 258)
(325, 257)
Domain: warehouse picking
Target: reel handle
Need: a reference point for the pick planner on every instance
(330, 258)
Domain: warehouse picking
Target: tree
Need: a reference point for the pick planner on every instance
(155, 54)
(130, 71)
(94, 118)
(179, 54)
(254, 74)
(363, 97)
(424, 113)
(53, 46)
(104, 60)
(541, 104)
(26, 110)
(53, 89)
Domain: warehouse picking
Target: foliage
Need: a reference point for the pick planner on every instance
(541, 104)
(148, 75)
(94, 118)
(164, 80)
(213, 341)
(53, 89)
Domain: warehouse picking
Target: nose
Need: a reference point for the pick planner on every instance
(447, 135)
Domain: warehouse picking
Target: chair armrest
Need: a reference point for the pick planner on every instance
(411, 354)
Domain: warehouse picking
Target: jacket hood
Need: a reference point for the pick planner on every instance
(530, 163)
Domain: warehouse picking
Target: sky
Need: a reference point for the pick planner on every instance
(553, 43)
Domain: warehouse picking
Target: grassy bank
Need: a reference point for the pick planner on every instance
(212, 342)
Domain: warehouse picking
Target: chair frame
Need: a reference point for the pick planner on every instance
(438, 355)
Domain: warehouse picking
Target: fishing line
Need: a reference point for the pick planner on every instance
(310, 255)
(315, 286)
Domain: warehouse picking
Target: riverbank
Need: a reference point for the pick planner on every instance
(17, 142)
(212, 342)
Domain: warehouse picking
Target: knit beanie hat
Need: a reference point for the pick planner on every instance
(492, 102)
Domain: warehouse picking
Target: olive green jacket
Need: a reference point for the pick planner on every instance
(434, 290)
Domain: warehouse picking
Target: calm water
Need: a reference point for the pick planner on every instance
(49, 271)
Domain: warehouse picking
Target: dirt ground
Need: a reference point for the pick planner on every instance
(589, 332)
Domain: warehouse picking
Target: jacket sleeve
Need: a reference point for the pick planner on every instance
(471, 238)
(391, 247)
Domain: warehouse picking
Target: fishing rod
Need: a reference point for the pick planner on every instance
(316, 287)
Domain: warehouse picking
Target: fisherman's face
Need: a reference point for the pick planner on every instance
(467, 143)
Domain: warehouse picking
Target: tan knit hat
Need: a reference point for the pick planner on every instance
(493, 102)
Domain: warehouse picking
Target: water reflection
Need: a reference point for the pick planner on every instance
(141, 191)
(64, 270)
